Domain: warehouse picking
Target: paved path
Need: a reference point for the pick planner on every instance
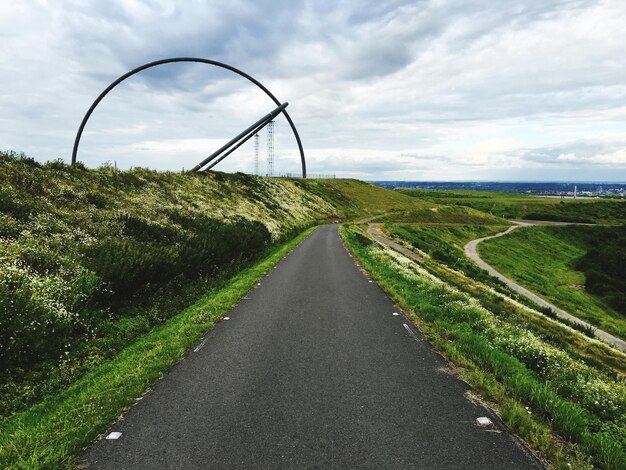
(471, 250)
(312, 370)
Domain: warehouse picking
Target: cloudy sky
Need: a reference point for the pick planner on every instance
(389, 90)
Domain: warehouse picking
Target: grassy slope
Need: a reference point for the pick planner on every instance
(542, 259)
(510, 365)
(445, 245)
(441, 214)
(65, 232)
(456, 235)
(444, 242)
(519, 206)
(357, 199)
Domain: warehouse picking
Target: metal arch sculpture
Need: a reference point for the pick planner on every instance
(187, 59)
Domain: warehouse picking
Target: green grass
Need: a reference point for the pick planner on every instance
(444, 244)
(440, 214)
(357, 199)
(449, 235)
(544, 259)
(53, 433)
(518, 206)
(507, 364)
(113, 257)
(92, 259)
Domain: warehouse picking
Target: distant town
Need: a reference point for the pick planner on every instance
(565, 190)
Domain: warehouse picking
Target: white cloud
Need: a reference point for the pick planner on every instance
(432, 89)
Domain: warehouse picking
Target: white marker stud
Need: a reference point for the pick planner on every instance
(114, 435)
(395, 314)
(483, 421)
(226, 318)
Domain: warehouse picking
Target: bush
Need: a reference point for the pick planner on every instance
(40, 315)
(604, 266)
(150, 255)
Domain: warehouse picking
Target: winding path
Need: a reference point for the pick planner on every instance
(471, 251)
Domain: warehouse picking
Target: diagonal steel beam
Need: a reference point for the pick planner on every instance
(241, 142)
(215, 154)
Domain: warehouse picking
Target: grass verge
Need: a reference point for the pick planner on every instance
(496, 297)
(540, 390)
(53, 433)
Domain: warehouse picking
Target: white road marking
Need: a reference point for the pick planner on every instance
(395, 314)
(226, 318)
(483, 421)
(114, 435)
(199, 347)
(411, 332)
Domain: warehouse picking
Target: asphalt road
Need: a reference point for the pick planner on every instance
(471, 251)
(312, 370)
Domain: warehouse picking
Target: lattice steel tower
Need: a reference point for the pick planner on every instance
(270, 148)
(256, 154)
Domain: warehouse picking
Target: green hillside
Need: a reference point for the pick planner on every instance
(431, 213)
(356, 199)
(579, 268)
(519, 206)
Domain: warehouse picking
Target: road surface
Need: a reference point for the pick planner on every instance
(312, 370)
(471, 251)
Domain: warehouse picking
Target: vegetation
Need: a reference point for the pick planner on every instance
(445, 259)
(604, 266)
(439, 214)
(579, 268)
(517, 206)
(92, 260)
(355, 199)
(540, 388)
(445, 243)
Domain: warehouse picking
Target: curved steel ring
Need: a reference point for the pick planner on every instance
(186, 59)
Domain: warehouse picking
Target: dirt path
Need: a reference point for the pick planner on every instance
(472, 253)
